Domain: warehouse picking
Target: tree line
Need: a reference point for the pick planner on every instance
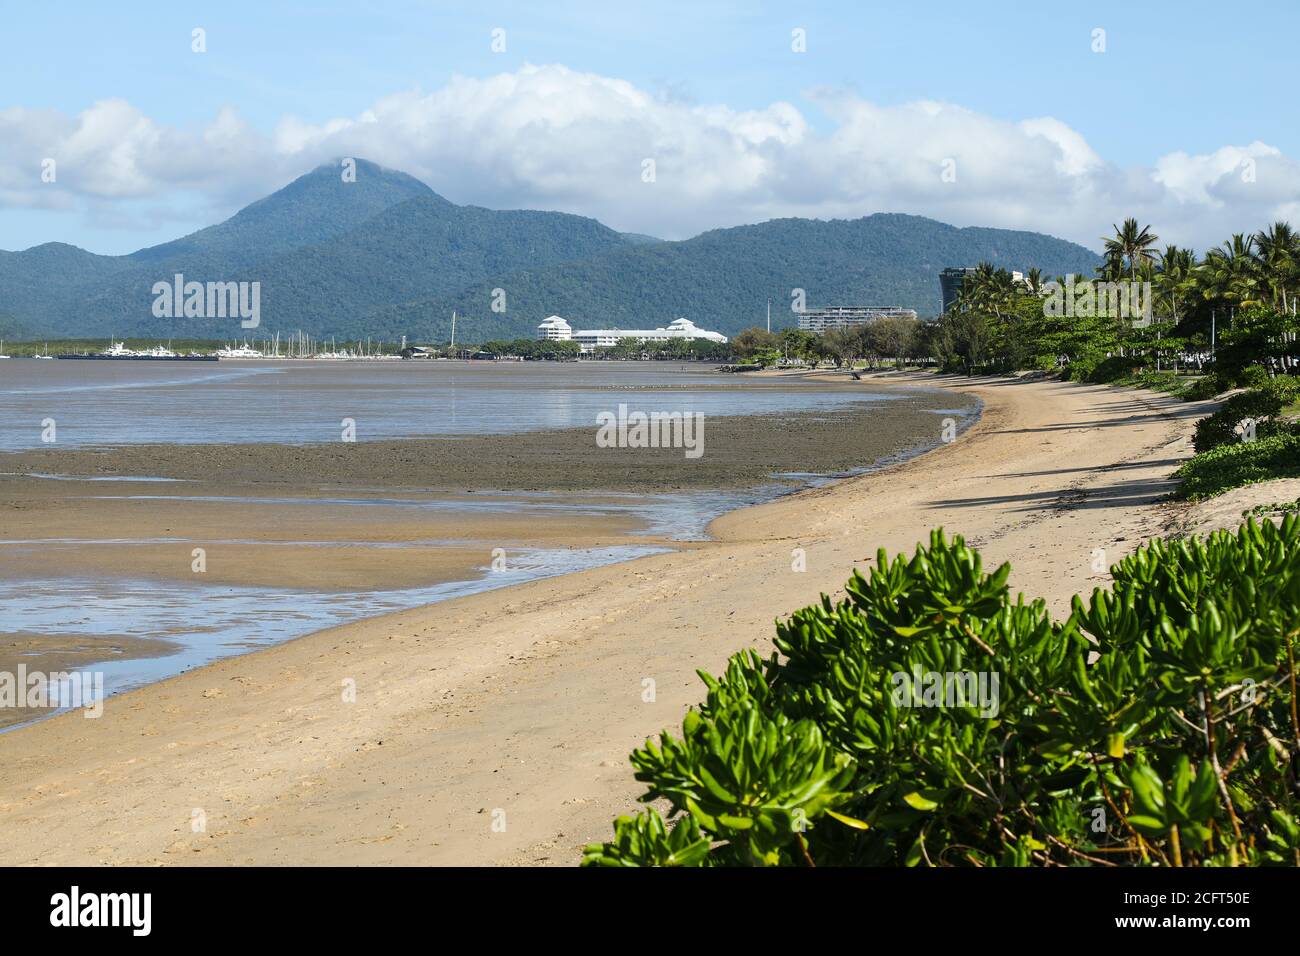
(1240, 295)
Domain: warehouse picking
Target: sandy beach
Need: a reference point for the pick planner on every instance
(495, 728)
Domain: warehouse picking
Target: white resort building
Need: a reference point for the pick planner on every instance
(558, 330)
(555, 329)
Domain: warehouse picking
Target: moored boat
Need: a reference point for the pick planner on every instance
(117, 351)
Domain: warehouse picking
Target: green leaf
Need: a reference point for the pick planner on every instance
(917, 801)
(1148, 825)
(914, 855)
(849, 821)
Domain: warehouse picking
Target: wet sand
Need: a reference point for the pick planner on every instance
(63, 653)
(739, 451)
(295, 541)
(384, 516)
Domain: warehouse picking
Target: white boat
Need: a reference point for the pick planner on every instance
(244, 351)
(2, 350)
(44, 353)
(118, 350)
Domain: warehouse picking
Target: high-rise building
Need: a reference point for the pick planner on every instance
(950, 281)
(845, 316)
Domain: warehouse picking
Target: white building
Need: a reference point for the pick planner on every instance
(847, 316)
(555, 328)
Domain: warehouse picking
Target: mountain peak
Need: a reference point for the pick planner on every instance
(316, 207)
(355, 170)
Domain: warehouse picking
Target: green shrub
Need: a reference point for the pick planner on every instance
(1168, 382)
(1275, 508)
(1115, 368)
(1205, 387)
(1252, 376)
(1242, 463)
(1081, 367)
(1153, 726)
(1286, 387)
(1261, 405)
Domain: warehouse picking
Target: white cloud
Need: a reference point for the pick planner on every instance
(549, 137)
(1076, 157)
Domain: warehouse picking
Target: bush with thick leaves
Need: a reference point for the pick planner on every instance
(1207, 386)
(1155, 725)
(1262, 406)
(1242, 463)
(1115, 367)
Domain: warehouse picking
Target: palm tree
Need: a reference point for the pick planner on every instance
(1176, 279)
(1005, 291)
(990, 289)
(1229, 271)
(1112, 266)
(1276, 258)
(1131, 244)
(977, 287)
(1034, 281)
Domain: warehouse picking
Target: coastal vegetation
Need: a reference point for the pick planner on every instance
(893, 338)
(528, 349)
(1227, 311)
(930, 719)
(1207, 326)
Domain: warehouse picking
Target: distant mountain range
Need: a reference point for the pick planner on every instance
(386, 256)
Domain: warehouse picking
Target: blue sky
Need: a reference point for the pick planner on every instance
(1189, 78)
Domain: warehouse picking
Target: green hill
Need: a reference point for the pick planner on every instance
(386, 256)
(723, 279)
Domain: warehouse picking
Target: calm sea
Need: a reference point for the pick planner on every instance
(117, 403)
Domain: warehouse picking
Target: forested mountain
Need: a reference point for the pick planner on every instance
(56, 288)
(723, 279)
(386, 256)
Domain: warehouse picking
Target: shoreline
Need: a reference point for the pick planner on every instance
(550, 657)
(822, 440)
(315, 555)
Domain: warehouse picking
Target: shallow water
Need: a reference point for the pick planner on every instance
(209, 622)
(682, 516)
(125, 403)
(109, 403)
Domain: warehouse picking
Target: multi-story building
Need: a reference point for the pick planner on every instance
(557, 329)
(846, 316)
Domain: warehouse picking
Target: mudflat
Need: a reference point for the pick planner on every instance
(738, 451)
(390, 515)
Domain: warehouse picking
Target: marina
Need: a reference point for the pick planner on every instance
(117, 351)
